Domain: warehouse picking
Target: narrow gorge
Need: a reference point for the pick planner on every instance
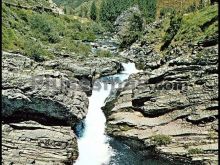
(102, 83)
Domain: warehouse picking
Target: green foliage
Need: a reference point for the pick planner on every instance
(194, 151)
(198, 25)
(175, 24)
(35, 50)
(103, 53)
(48, 32)
(167, 11)
(93, 11)
(70, 46)
(111, 9)
(148, 8)
(160, 140)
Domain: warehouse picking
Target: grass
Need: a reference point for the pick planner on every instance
(178, 5)
(191, 27)
(160, 139)
(45, 32)
(198, 25)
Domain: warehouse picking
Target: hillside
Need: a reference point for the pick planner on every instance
(178, 5)
(26, 30)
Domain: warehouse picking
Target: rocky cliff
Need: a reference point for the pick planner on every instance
(42, 102)
(171, 108)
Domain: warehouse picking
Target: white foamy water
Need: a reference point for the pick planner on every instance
(94, 147)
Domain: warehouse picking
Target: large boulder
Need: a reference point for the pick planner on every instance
(128, 26)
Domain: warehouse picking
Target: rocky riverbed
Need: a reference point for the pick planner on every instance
(42, 102)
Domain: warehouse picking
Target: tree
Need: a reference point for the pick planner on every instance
(93, 11)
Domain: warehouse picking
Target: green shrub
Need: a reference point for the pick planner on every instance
(161, 140)
(103, 53)
(77, 47)
(166, 11)
(93, 11)
(35, 51)
(193, 151)
(9, 38)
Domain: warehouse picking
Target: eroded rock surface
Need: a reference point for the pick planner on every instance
(32, 143)
(177, 99)
(30, 89)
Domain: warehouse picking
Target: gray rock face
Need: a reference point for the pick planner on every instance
(179, 100)
(32, 143)
(35, 91)
(85, 71)
(42, 101)
(33, 94)
(127, 26)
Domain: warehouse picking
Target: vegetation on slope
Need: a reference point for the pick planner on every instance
(178, 5)
(44, 3)
(108, 10)
(179, 28)
(39, 35)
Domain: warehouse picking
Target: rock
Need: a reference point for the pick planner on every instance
(39, 107)
(127, 26)
(32, 143)
(85, 71)
(40, 93)
(178, 99)
(42, 102)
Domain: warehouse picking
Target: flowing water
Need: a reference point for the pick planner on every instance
(95, 147)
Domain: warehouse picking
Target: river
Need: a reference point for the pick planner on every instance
(95, 147)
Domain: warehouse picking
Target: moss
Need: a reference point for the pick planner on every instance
(160, 139)
(124, 127)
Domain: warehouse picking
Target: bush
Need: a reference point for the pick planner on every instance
(86, 36)
(193, 151)
(46, 26)
(35, 51)
(160, 140)
(103, 53)
(77, 47)
(166, 11)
